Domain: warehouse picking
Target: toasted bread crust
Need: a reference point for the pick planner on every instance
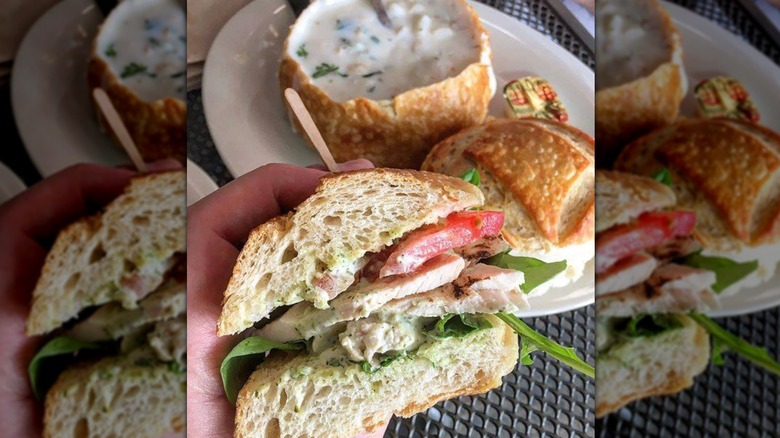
(622, 197)
(51, 306)
(398, 132)
(158, 128)
(629, 110)
(539, 165)
(261, 276)
(676, 380)
(257, 416)
(730, 165)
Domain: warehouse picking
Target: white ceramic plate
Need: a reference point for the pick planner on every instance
(199, 184)
(709, 51)
(247, 119)
(10, 184)
(49, 92)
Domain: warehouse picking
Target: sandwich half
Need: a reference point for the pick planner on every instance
(398, 287)
(112, 295)
(540, 174)
(652, 338)
(728, 172)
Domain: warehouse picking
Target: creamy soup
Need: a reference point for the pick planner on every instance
(348, 53)
(144, 44)
(631, 42)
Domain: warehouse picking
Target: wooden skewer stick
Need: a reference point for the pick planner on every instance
(311, 129)
(112, 117)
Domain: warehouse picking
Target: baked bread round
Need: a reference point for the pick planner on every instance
(728, 171)
(640, 79)
(390, 106)
(540, 173)
(138, 58)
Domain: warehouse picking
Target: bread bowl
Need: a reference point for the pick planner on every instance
(728, 171)
(386, 94)
(640, 79)
(540, 173)
(138, 58)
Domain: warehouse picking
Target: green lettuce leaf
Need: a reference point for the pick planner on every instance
(244, 358)
(647, 325)
(46, 365)
(471, 176)
(727, 271)
(536, 271)
(566, 355)
(663, 176)
(457, 326)
(757, 355)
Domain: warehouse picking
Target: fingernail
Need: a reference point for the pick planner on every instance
(165, 164)
(361, 163)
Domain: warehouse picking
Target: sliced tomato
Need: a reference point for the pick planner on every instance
(650, 229)
(459, 229)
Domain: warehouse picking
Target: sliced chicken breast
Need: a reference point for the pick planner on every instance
(671, 289)
(630, 271)
(479, 289)
(303, 321)
(483, 248)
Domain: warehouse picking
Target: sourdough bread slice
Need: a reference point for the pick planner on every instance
(126, 396)
(650, 366)
(313, 254)
(120, 254)
(304, 396)
(621, 197)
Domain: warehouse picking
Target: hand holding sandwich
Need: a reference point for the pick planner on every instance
(218, 226)
(28, 225)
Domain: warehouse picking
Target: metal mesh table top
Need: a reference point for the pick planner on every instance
(544, 399)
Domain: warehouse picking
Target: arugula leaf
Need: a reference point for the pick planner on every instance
(566, 355)
(718, 348)
(536, 271)
(325, 69)
(471, 176)
(727, 271)
(757, 355)
(648, 325)
(244, 358)
(457, 326)
(663, 176)
(62, 346)
(526, 349)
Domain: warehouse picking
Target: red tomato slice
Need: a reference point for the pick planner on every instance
(459, 229)
(650, 229)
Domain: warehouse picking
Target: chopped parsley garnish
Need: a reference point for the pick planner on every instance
(375, 39)
(110, 51)
(372, 89)
(133, 69)
(373, 73)
(325, 69)
(340, 25)
(302, 51)
(154, 42)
